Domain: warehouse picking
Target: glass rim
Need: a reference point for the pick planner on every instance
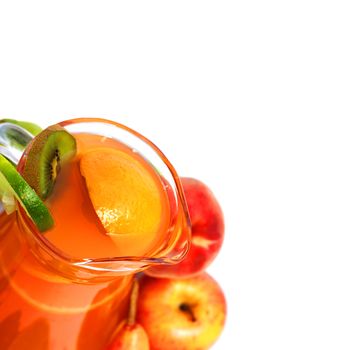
(86, 262)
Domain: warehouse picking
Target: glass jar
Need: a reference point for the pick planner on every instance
(50, 300)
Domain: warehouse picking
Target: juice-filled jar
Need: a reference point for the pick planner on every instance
(69, 287)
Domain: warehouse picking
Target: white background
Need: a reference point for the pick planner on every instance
(252, 97)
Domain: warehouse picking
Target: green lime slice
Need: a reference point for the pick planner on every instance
(13, 185)
(34, 129)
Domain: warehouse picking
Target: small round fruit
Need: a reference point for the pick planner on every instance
(12, 184)
(131, 337)
(181, 314)
(46, 154)
(207, 222)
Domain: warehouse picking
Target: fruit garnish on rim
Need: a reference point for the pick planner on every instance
(12, 185)
(33, 128)
(14, 138)
(47, 153)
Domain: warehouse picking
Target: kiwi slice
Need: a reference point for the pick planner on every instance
(12, 185)
(47, 153)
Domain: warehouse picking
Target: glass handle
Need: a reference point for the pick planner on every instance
(13, 141)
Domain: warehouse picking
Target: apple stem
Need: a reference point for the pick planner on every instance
(188, 310)
(133, 302)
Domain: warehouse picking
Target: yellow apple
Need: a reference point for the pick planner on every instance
(181, 314)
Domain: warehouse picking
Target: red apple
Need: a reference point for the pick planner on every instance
(207, 232)
(181, 314)
(132, 335)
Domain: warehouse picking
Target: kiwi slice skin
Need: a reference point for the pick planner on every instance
(47, 152)
(29, 200)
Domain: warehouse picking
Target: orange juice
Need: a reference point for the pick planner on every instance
(69, 287)
(71, 202)
(40, 309)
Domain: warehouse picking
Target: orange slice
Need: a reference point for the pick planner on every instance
(124, 191)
